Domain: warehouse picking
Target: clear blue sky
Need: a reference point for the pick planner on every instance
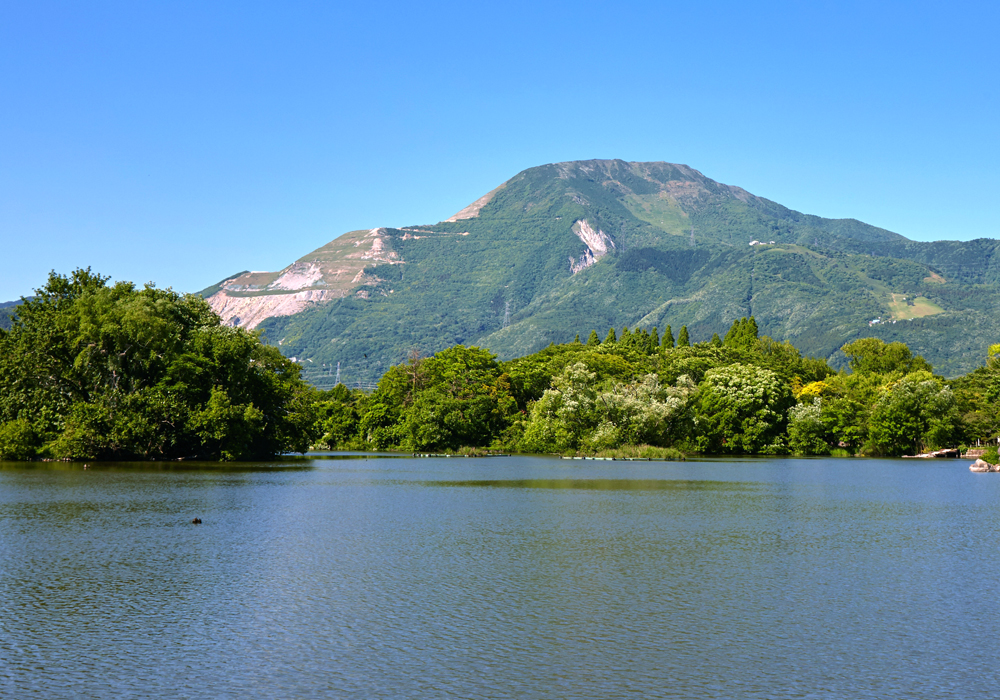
(179, 142)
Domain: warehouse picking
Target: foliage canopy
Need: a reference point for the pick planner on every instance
(92, 371)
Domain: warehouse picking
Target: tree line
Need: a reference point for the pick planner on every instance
(90, 370)
(741, 394)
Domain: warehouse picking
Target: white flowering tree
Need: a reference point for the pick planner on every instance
(741, 409)
(643, 412)
(564, 414)
(807, 433)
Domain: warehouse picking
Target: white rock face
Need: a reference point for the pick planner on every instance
(598, 244)
(298, 276)
(247, 312)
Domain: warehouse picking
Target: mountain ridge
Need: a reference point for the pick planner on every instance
(566, 247)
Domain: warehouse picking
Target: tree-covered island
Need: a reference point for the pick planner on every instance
(92, 371)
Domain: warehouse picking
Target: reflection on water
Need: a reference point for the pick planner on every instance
(398, 578)
(603, 484)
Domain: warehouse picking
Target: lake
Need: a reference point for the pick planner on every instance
(506, 577)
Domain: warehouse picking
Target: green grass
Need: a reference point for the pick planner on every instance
(639, 452)
(902, 310)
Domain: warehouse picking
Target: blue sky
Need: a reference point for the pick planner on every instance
(181, 142)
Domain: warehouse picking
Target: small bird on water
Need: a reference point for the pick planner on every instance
(196, 521)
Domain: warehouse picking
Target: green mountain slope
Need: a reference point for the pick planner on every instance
(565, 248)
(7, 309)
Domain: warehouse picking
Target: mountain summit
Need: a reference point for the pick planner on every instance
(565, 248)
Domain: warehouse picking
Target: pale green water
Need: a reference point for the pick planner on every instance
(500, 578)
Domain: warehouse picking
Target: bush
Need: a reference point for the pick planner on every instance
(18, 441)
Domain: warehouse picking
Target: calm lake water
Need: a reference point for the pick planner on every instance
(500, 578)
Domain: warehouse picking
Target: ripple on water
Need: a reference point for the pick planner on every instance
(499, 580)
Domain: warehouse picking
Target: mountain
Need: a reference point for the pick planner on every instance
(7, 309)
(564, 248)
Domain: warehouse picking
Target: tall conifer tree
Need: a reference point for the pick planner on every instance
(593, 340)
(682, 338)
(668, 338)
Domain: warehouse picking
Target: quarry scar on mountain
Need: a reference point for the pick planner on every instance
(339, 269)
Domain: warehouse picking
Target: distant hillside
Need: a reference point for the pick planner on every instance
(565, 248)
(6, 310)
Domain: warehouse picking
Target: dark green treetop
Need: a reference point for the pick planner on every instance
(668, 338)
(682, 338)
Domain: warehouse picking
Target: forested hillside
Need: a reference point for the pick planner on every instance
(7, 310)
(595, 244)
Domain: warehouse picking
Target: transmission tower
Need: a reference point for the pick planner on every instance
(338, 375)
(506, 313)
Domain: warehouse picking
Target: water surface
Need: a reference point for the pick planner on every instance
(500, 578)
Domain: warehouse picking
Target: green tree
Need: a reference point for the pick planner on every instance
(741, 408)
(871, 355)
(742, 334)
(611, 337)
(116, 372)
(565, 413)
(668, 338)
(914, 413)
(716, 340)
(640, 412)
(593, 340)
(682, 338)
(807, 433)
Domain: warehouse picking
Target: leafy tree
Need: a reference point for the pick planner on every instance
(338, 418)
(115, 372)
(641, 412)
(845, 420)
(18, 441)
(564, 414)
(716, 340)
(682, 338)
(577, 339)
(872, 355)
(742, 334)
(611, 337)
(807, 433)
(741, 409)
(458, 397)
(593, 340)
(654, 341)
(913, 413)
